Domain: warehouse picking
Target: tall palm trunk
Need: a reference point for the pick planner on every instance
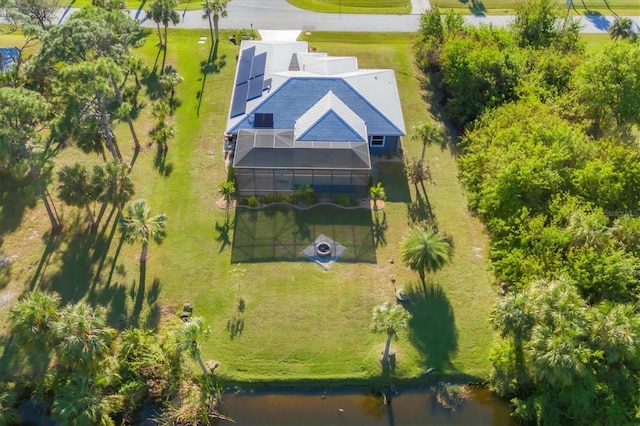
(216, 18)
(91, 216)
(103, 208)
(166, 26)
(210, 22)
(111, 142)
(202, 366)
(159, 34)
(132, 129)
(48, 204)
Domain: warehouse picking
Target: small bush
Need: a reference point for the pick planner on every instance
(269, 198)
(253, 201)
(341, 200)
(286, 198)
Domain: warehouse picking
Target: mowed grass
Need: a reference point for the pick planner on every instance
(508, 7)
(298, 323)
(355, 6)
(142, 5)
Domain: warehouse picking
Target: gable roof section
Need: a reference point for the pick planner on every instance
(297, 95)
(276, 149)
(322, 64)
(381, 89)
(330, 119)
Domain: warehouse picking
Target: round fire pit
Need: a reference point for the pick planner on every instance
(323, 249)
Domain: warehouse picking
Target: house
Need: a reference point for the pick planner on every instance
(8, 57)
(298, 117)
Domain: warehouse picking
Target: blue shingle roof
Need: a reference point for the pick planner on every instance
(9, 57)
(331, 128)
(293, 98)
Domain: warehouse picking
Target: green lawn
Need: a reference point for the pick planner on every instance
(355, 6)
(467, 7)
(299, 323)
(505, 7)
(143, 4)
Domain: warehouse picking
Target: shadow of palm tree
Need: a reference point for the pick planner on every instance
(432, 327)
(210, 66)
(160, 163)
(79, 260)
(477, 8)
(419, 211)
(379, 229)
(394, 179)
(223, 237)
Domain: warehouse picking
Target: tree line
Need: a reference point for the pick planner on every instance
(97, 375)
(549, 155)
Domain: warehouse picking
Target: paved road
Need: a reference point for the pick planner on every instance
(280, 15)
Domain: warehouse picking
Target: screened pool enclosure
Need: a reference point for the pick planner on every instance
(270, 161)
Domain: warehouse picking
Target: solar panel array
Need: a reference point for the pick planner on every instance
(249, 80)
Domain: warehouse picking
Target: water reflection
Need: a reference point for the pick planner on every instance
(414, 407)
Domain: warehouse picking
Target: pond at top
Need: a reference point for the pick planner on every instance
(408, 407)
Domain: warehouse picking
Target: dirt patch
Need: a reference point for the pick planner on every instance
(224, 205)
(6, 298)
(379, 205)
(5, 260)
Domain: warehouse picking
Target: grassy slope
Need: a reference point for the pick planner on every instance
(300, 322)
(504, 7)
(468, 7)
(355, 6)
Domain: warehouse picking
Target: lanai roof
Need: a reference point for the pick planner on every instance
(277, 149)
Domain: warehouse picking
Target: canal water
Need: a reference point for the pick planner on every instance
(336, 408)
(407, 408)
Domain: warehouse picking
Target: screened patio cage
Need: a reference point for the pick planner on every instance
(268, 161)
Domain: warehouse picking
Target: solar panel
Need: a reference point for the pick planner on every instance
(249, 53)
(263, 120)
(255, 87)
(244, 71)
(244, 65)
(239, 101)
(258, 64)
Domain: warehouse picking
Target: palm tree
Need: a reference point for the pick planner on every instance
(616, 331)
(162, 131)
(215, 9)
(513, 317)
(558, 348)
(169, 80)
(589, 229)
(389, 319)
(83, 335)
(82, 402)
(163, 11)
(227, 189)
(427, 134)
(425, 251)
(377, 193)
(33, 318)
(117, 186)
(75, 189)
(187, 339)
(140, 225)
(621, 28)
(8, 414)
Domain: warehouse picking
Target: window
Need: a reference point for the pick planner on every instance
(377, 141)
